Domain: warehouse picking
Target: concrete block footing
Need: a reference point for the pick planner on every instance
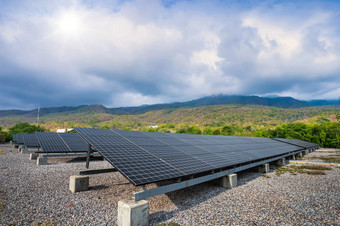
(34, 156)
(16, 146)
(23, 150)
(132, 213)
(79, 183)
(41, 161)
(306, 152)
(293, 157)
(281, 162)
(264, 168)
(20, 148)
(300, 155)
(229, 181)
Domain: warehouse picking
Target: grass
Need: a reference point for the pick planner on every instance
(329, 158)
(307, 169)
(265, 175)
(2, 152)
(315, 167)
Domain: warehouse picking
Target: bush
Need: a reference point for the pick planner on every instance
(24, 127)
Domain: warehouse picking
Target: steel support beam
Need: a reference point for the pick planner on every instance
(98, 171)
(66, 155)
(184, 184)
(88, 156)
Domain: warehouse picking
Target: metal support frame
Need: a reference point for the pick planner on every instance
(184, 184)
(88, 156)
(98, 171)
(66, 155)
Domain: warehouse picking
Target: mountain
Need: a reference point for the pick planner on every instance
(280, 102)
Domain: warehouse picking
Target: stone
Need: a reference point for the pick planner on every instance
(281, 162)
(79, 183)
(264, 168)
(133, 213)
(34, 156)
(229, 181)
(41, 161)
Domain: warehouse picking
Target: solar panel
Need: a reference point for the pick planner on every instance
(74, 142)
(300, 143)
(20, 139)
(145, 157)
(51, 142)
(30, 140)
(137, 164)
(61, 142)
(14, 139)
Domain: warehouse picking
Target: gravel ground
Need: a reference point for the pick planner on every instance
(39, 194)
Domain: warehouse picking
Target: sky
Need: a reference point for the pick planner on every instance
(130, 53)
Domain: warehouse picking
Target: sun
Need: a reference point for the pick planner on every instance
(69, 24)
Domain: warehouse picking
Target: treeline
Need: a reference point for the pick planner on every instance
(23, 127)
(326, 134)
(321, 131)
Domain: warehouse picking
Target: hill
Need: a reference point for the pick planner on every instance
(280, 102)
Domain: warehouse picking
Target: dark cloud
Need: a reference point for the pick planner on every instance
(121, 53)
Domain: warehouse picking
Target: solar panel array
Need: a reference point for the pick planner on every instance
(144, 157)
(14, 139)
(61, 142)
(30, 140)
(300, 143)
(19, 139)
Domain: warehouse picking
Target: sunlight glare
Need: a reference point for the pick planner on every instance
(69, 24)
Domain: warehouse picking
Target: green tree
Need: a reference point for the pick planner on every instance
(24, 127)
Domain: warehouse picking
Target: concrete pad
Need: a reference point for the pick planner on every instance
(281, 162)
(41, 161)
(132, 213)
(23, 151)
(229, 181)
(34, 156)
(79, 183)
(264, 168)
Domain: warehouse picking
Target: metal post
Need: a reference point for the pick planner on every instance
(88, 157)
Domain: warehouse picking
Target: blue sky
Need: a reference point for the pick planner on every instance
(129, 53)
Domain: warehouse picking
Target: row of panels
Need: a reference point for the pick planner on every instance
(144, 157)
(52, 142)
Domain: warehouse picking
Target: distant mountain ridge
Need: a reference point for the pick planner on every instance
(280, 102)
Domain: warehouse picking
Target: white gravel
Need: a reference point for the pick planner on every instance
(40, 194)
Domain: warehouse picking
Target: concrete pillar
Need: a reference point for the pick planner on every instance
(300, 155)
(229, 181)
(41, 161)
(20, 148)
(79, 183)
(23, 150)
(34, 156)
(281, 162)
(16, 146)
(132, 213)
(306, 152)
(264, 168)
(293, 157)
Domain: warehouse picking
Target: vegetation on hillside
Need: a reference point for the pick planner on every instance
(316, 124)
